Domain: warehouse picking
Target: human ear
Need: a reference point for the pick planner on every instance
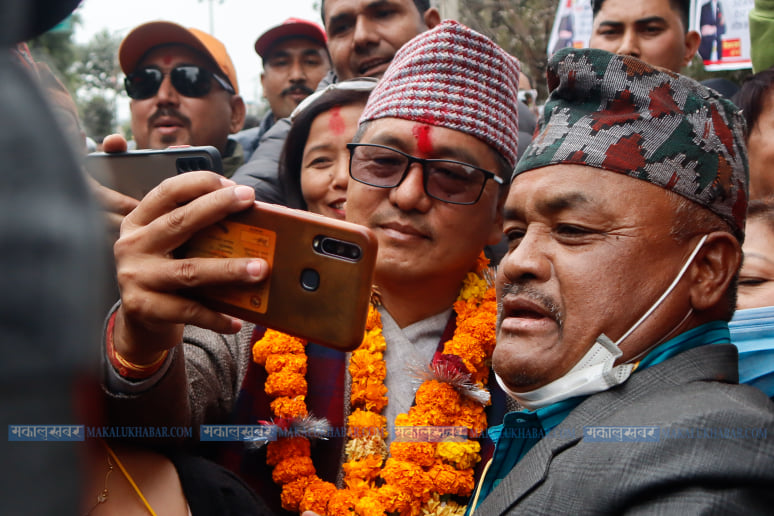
(692, 40)
(238, 114)
(713, 270)
(496, 233)
(431, 17)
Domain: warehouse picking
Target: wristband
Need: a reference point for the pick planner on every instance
(124, 367)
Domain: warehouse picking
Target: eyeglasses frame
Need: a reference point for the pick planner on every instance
(425, 176)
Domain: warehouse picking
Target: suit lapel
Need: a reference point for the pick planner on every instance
(530, 472)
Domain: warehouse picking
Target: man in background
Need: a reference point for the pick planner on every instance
(183, 89)
(655, 31)
(363, 37)
(295, 59)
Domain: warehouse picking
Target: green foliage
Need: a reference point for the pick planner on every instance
(97, 62)
(521, 27)
(97, 116)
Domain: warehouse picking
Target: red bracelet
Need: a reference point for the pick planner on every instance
(123, 366)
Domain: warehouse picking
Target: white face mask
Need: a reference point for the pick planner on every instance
(594, 372)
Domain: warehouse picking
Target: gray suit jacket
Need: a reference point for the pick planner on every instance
(711, 471)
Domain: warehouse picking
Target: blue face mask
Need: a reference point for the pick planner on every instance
(752, 331)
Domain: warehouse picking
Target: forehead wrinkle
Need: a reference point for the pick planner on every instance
(759, 256)
(561, 202)
(550, 206)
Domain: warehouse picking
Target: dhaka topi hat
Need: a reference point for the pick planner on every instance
(453, 77)
(621, 114)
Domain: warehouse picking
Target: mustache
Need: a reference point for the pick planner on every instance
(545, 301)
(409, 219)
(170, 112)
(297, 88)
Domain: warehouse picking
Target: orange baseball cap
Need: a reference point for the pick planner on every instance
(290, 28)
(150, 35)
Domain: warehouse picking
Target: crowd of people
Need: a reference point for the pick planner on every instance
(572, 309)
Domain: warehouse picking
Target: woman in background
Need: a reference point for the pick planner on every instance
(756, 98)
(756, 279)
(314, 165)
(752, 327)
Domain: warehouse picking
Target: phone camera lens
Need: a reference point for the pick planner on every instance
(337, 248)
(329, 246)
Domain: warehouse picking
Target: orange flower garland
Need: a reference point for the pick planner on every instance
(419, 476)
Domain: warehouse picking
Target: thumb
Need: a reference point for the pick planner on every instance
(114, 143)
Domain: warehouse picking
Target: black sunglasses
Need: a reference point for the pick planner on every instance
(188, 80)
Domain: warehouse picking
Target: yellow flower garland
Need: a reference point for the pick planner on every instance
(418, 476)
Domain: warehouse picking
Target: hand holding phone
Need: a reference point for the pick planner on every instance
(321, 272)
(153, 310)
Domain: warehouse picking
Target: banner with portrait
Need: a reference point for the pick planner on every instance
(725, 32)
(722, 24)
(572, 25)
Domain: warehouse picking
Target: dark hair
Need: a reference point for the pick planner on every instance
(421, 5)
(683, 8)
(752, 95)
(293, 150)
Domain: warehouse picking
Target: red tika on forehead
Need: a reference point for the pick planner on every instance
(336, 122)
(453, 77)
(424, 142)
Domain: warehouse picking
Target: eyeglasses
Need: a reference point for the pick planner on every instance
(446, 180)
(188, 80)
(358, 84)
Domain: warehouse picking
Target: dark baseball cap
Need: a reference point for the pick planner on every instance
(290, 28)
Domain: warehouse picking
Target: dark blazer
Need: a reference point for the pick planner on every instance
(708, 18)
(712, 472)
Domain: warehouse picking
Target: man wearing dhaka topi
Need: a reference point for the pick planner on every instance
(625, 220)
(429, 168)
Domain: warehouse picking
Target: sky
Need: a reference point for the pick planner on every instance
(237, 23)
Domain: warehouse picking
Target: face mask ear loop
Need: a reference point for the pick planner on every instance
(666, 292)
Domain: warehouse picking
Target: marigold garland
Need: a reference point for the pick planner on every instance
(418, 476)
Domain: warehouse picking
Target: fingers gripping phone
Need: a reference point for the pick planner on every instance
(135, 173)
(321, 272)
